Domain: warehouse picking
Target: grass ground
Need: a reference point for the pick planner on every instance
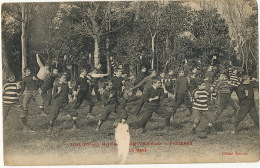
(85, 146)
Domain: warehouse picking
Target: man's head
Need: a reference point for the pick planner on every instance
(234, 71)
(181, 73)
(222, 77)
(62, 78)
(157, 83)
(11, 78)
(47, 67)
(170, 72)
(98, 66)
(83, 72)
(210, 68)
(201, 84)
(162, 74)
(55, 71)
(118, 72)
(143, 69)
(194, 70)
(27, 71)
(69, 66)
(109, 84)
(152, 73)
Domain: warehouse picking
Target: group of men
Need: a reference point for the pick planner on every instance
(191, 86)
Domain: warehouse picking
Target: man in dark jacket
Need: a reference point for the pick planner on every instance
(154, 96)
(247, 104)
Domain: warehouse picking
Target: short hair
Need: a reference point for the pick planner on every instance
(83, 70)
(194, 68)
(162, 72)
(156, 80)
(117, 69)
(181, 70)
(143, 67)
(200, 82)
(10, 75)
(107, 83)
(150, 71)
(26, 68)
(61, 75)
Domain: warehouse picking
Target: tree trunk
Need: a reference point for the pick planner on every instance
(6, 67)
(153, 54)
(167, 44)
(107, 57)
(24, 37)
(96, 52)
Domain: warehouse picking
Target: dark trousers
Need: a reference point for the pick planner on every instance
(169, 89)
(58, 103)
(224, 100)
(107, 111)
(150, 109)
(245, 108)
(181, 98)
(233, 89)
(97, 94)
(122, 112)
(47, 95)
(87, 96)
(139, 105)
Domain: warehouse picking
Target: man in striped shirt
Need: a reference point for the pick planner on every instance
(200, 104)
(234, 81)
(11, 93)
(224, 99)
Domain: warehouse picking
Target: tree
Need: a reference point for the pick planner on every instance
(211, 36)
(91, 19)
(241, 18)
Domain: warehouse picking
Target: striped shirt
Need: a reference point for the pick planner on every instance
(234, 80)
(230, 71)
(201, 102)
(222, 87)
(11, 91)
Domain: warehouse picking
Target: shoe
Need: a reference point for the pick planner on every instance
(75, 128)
(90, 116)
(27, 130)
(166, 129)
(209, 129)
(144, 130)
(202, 136)
(193, 131)
(234, 131)
(97, 129)
(49, 129)
(43, 114)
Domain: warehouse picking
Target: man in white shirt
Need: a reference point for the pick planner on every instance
(44, 69)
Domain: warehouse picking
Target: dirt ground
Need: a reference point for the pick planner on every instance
(85, 146)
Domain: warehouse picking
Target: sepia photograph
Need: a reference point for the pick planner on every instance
(130, 82)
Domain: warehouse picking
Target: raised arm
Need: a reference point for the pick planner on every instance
(141, 83)
(39, 60)
(176, 86)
